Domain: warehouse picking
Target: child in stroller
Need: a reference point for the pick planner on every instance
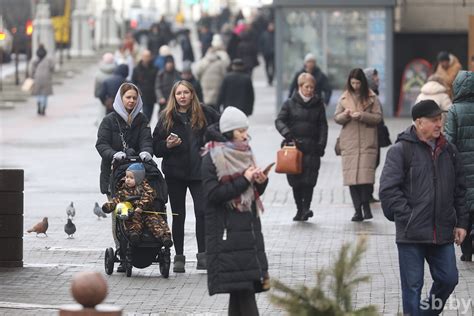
(139, 225)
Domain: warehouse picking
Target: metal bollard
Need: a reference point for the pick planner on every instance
(11, 217)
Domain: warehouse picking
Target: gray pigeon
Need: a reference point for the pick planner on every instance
(98, 211)
(69, 228)
(71, 211)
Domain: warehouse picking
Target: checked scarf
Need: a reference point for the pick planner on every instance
(231, 160)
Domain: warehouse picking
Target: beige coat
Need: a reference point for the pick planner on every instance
(449, 74)
(358, 138)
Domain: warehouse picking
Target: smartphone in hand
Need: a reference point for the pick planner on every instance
(267, 169)
(174, 136)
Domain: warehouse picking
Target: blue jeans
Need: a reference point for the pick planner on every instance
(42, 101)
(442, 262)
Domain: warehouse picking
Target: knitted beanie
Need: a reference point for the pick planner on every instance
(138, 171)
(232, 118)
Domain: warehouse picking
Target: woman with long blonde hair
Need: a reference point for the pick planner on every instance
(178, 138)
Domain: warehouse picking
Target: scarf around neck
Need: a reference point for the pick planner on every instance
(305, 99)
(231, 159)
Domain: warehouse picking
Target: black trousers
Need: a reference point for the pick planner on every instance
(177, 192)
(148, 110)
(360, 194)
(303, 196)
(466, 246)
(242, 303)
(270, 67)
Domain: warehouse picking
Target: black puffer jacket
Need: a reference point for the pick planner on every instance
(111, 85)
(137, 137)
(426, 199)
(182, 162)
(306, 123)
(236, 258)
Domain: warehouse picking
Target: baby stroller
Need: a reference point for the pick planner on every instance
(150, 249)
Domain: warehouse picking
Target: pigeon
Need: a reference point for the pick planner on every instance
(70, 228)
(98, 211)
(40, 228)
(71, 211)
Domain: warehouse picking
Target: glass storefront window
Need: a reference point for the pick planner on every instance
(341, 39)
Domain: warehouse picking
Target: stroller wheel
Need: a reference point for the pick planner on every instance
(165, 262)
(109, 261)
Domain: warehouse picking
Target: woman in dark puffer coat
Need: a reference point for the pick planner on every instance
(236, 259)
(302, 120)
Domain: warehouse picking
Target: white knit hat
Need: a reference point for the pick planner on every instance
(309, 57)
(232, 118)
(217, 41)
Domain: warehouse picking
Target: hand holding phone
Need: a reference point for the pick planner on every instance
(173, 140)
(267, 169)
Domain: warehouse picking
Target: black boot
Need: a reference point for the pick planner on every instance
(299, 216)
(307, 214)
(357, 216)
(367, 211)
(39, 108)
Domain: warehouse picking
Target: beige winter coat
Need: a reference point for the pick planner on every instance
(210, 71)
(435, 91)
(358, 138)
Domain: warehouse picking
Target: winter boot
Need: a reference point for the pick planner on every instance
(307, 214)
(299, 216)
(367, 211)
(357, 216)
(39, 108)
(201, 261)
(178, 265)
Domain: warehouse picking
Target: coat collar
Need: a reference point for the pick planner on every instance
(349, 101)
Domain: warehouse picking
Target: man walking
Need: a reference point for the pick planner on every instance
(422, 189)
(460, 131)
(144, 76)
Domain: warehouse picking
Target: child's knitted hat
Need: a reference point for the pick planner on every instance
(138, 171)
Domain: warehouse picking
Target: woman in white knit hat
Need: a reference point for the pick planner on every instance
(235, 251)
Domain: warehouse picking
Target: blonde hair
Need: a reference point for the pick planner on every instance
(306, 77)
(198, 119)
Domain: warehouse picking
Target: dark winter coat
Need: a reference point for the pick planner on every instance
(137, 136)
(426, 199)
(323, 88)
(237, 261)
(237, 90)
(187, 48)
(164, 83)
(306, 123)
(144, 78)
(155, 41)
(247, 50)
(182, 162)
(459, 128)
(112, 84)
(267, 43)
(197, 88)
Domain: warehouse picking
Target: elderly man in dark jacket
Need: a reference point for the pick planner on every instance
(422, 189)
(143, 77)
(237, 89)
(459, 130)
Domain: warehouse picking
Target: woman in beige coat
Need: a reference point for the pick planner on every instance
(358, 111)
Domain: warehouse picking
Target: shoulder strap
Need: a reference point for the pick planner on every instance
(122, 137)
(407, 155)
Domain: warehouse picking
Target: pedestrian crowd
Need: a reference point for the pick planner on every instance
(426, 186)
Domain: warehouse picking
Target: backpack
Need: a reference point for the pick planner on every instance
(408, 154)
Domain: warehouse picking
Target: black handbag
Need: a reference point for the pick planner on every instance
(383, 135)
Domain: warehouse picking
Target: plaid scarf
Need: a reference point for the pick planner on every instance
(231, 159)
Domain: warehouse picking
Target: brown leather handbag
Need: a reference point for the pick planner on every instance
(289, 160)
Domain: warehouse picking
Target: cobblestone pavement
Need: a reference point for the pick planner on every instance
(62, 165)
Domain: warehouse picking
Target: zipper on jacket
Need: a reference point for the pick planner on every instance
(256, 250)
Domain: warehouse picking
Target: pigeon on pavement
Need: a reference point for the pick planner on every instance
(40, 228)
(98, 211)
(70, 228)
(71, 211)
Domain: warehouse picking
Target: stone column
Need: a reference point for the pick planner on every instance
(81, 32)
(43, 32)
(108, 26)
